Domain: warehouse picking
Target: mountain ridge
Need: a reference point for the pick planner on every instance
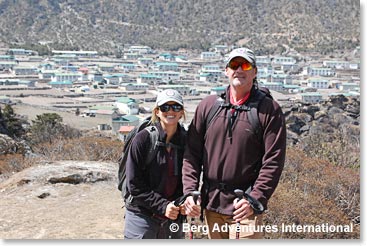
(109, 25)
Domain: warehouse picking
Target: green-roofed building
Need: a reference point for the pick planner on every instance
(125, 120)
(127, 105)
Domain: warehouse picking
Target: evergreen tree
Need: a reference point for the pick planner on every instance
(46, 127)
(10, 123)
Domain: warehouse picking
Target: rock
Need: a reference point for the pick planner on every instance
(43, 195)
(7, 145)
(319, 115)
(337, 101)
(33, 208)
(70, 179)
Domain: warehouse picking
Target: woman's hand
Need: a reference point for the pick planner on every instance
(172, 211)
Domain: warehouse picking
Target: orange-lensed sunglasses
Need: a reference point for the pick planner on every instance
(244, 65)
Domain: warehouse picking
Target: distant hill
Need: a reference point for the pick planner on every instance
(106, 26)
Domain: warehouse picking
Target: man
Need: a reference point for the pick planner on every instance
(231, 156)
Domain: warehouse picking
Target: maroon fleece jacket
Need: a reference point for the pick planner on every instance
(234, 162)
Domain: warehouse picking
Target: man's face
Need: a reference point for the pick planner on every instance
(238, 77)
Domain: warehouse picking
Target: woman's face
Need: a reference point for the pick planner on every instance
(169, 113)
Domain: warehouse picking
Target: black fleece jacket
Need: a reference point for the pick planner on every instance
(146, 184)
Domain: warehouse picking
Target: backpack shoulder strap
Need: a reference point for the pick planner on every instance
(253, 116)
(214, 111)
(153, 143)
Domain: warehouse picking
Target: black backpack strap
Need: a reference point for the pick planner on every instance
(152, 153)
(252, 113)
(154, 144)
(214, 111)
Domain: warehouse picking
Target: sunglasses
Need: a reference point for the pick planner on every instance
(244, 65)
(175, 107)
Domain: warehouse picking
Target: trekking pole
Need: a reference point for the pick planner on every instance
(195, 196)
(239, 194)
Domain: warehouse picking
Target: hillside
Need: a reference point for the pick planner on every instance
(69, 184)
(108, 26)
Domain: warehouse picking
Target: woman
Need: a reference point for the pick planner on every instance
(153, 189)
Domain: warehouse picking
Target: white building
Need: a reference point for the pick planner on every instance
(147, 78)
(166, 66)
(78, 53)
(127, 105)
(182, 89)
(135, 87)
(274, 86)
(208, 55)
(318, 83)
(311, 97)
(5, 100)
(25, 70)
(67, 76)
(166, 75)
(140, 49)
(280, 60)
(349, 87)
(320, 71)
(335, 64)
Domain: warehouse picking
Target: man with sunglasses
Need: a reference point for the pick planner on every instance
(231, 156)
(154, 188)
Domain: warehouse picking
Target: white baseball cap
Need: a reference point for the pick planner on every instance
(169, 95)
(245, 53)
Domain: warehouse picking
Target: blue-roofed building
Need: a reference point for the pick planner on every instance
(7, 58)
(61, 84)
(291, 88)
(146, 61)
(166, 57)
(274, 86)
(116, 79)
(208, 77)
(147, 78)
(166, 66)
(218, 90)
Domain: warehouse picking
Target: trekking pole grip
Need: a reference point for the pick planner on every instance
(195, 196)
(239, 194)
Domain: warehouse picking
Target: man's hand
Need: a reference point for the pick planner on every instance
(242, 209)
(192, 209)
